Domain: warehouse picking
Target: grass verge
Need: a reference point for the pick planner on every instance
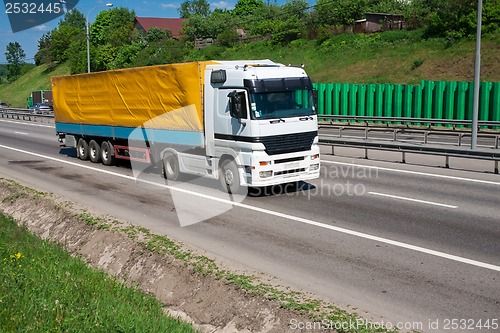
(305, 305)
(44, 289)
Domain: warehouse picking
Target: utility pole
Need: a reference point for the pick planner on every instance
(477, 73)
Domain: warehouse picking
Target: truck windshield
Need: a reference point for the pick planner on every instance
(283, 104)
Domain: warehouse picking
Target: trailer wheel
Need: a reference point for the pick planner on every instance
(82, 149)
(230, 177)
(94, 152)
(107, 157)
(171, 167)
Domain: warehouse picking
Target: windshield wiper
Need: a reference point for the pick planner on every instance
(306, 118)
(279, 120)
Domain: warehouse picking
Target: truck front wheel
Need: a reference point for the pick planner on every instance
(230, 177)
(82, 149)
(171, 167)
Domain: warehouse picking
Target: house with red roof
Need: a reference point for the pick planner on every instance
(172, 24)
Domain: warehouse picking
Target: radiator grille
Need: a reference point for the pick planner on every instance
(288, 143)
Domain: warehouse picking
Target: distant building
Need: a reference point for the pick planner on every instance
(172, 24)
(376, 22)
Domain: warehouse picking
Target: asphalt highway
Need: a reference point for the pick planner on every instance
(413, 245)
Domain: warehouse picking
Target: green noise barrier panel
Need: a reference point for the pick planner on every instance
(447, 100)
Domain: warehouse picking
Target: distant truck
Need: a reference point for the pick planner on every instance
(40, 97)
(246, 123)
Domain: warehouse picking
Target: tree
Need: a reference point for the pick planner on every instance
(156, 34)
(65, 42)
(113, 27)
(196, 26)
(247, 7)
(455, 19)
(111, 30)
(62, 37)
(296, 8)
(74, 18)
(44, 56)
(491, 16)
(387, 6)
(194, 7)
(340, 12)
(163, 52)
(15, 57)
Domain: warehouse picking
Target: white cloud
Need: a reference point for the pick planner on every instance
(170, 5)
(41, 27)
(222, 5)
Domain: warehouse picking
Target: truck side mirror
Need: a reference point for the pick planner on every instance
(237, 104)
(315, 100)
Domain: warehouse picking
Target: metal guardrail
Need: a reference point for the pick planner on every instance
(491, 155)
(429, 121)
(26, 114)
(399, 134)
(425, 147)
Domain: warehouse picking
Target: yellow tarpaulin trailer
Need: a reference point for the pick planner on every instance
(167, 97)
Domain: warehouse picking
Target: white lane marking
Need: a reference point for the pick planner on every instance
(410, 199)
(277, 214)
(21, 133)
(29, 124)
(415, 173)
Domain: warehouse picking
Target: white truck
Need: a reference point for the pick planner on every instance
(247, 123)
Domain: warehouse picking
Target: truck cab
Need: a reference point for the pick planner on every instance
(260, 123)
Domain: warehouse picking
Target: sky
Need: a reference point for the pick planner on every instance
(146, 8)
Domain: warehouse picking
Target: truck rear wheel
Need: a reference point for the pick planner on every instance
(171, 167)
(94, 152)
(107, 157)
(82, 149)
(230, 177)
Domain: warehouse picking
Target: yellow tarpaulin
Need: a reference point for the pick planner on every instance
(163, 97)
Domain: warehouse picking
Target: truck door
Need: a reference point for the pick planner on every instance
(227, 126)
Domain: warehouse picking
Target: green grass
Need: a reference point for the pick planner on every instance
(43, 289)
(38, 78)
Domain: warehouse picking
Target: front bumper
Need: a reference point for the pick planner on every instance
(283, 168)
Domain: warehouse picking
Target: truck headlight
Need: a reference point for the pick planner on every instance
(314, 157)
(314, 167)
(265, 174)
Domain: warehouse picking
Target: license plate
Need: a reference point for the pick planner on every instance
(293, 165)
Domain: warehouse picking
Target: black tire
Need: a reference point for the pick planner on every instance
(94, 151)
(107, 157)
(82, 149)
(171, 169)
(230, 177)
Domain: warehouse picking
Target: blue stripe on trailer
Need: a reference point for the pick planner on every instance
(134, 133)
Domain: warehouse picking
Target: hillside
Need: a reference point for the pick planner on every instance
(390, 57)
(38, 78)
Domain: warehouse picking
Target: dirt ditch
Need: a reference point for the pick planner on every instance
(202, 296)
